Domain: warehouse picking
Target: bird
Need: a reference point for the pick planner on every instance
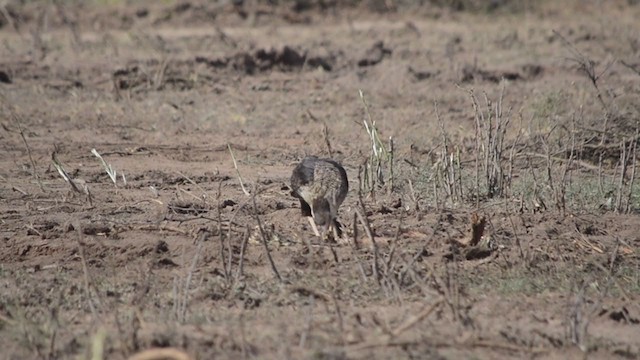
(321, 185)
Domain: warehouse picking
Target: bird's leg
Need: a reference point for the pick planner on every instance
(313, 226)
(336, 237)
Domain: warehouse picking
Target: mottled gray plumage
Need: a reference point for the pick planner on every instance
(321, 185)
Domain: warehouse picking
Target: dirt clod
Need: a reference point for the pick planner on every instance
(374, 54)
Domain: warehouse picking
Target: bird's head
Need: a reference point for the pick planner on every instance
(321, 212)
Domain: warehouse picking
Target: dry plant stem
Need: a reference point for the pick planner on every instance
(237, 211)
(491, 125)
(17, 120)
(356, 243)
(243, 249)
(502, 121)
(355, 246)
(221, 235)
(415, 319)
(512, 155)
(582, 164)
(580, 323)
(176, 298)
(107, 167)
(225, 37)
(561, 196)
(85, 272)
(518, 243)
(479, 120)
(633, 174)
(630, 67)
(391, 154)
(327, 142)
(459, 345)
(160, 354)
(387, 339)
(549, 167)
(493, 150)
(625, 294)
(452, 295)
(160, 228)
(264, 236)
(333, 252)
(378, 150)
(64, 173)
(388, 269)
(229, 252)
(435, 196)
(39, 47)
(458, 173)
(622, 163)
(235, 165)
(71, 23)
(477, 150)
(609, 146)
(15, 188)
(97, 344)
(8, 321)
(159, 77)
(412, 192)
(308, 322)
(409, 267)
(52, 345)
(8, 17)
(187, 283)
(204, 192)
(444, 168)
(312, 116)
(367, 228)
(54, 323)
(336, 306)
(588, 68)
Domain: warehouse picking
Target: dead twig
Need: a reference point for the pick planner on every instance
(355, 246)
(85, 272)
(162, 227)
(64, 173)
(7, 15)
(243, 249)
(588, 67)
(367, 228)
(182, 309)
(415, 319)
(264, 235)
(235, 165)
(583, 164)
(336, 305)
(388, 339)
(17, 119)
(630, 67)
(327, 142)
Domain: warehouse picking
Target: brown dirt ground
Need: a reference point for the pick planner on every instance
(161, 88)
